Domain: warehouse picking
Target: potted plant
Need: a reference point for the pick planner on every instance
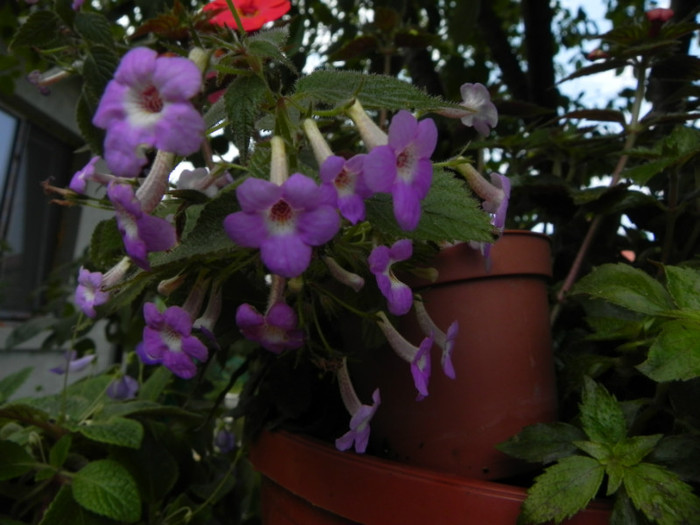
(247, 292)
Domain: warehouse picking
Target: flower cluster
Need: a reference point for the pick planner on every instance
(292, 230)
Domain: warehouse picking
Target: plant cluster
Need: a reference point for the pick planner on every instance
(228, 284)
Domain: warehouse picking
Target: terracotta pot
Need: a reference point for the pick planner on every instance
(503, 361)
(307, 482)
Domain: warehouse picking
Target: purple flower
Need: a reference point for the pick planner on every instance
(276, 331)
(224, 441)
(403, 166)
(168, 339)
(446, 341)
(73, 363)
(497, 203)
(397, 293)
(417, 356)
(89, 293)
(342, 180)
(79, 180)
(200, 180)
(77, 4)
(485, 115)
(147, 104)
(361, 415)
(124, 387)
(142, 233)
(283, 221)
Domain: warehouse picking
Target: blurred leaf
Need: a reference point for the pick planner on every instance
(118, 431)
(12, 382)
(59, 451)
(684, 286)
(14, 460)
(675, 353)
(626, 286)
(543, 442)
(563, 490)
(42, 29)
(64, 510)
(106, 488)
(94, 28)
(243, 99)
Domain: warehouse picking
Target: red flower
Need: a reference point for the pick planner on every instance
(253, 13)
(658, 17)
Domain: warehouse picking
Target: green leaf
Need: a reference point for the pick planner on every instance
(98, 69)
(601, 415)
(24, 413)
(243, 99)
(373, 91)
(600, 451)
(42, 29)
(543, 442)
(684, 286)
(632, 450)
(626, 286)
(118, 431)
(642, 173)
(675, 353)
(14, 460)
(10, 383)
(59, 451)
(94, 28)
(563, 490)
(106, 246)
(661, 495)
(153, 387)
(106, 488)
(63, 510)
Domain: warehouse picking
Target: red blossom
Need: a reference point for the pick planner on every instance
(658, 17)
(253, 13)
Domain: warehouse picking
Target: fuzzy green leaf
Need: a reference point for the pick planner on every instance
(153, 387)
(373, 91)
(661, 495)
(684, 286)
(10, 383)
(106, 247)
(632, 450)
(118, 431)
(42, 29)
(94, 28)
(543, 442)
(563, 490)
(59, 451)
(243, 99)
(14, 460)
(63, 510)
(105, 487)
(675, 353)
(601, 415)
(626, 286)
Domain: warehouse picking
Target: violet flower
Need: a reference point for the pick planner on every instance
(361, 415)
(446, 341)
(403, 167)
(224, 441)
(340, 274)
(417, 356)
(168, 339)
(142, 233)
(148, 104)
(77, 4)
(283, 221)
(89, 293)
(275, 331)
(485, 116)
(201, 180)
(343, 181)
(398, 294)
(124, 387)
(73, 363)
(79, 181)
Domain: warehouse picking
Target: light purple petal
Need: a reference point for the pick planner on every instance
(136, 67)
(402, 130)
(245, 229)
(179, 364)
(420, 368)
(283, 316)
(122, 388)
(111, 106)
(146, 359)
(176, 78)
(379, 259)
(331, 167)
(380, 169)
(157, 233)
(318, 226)
(79, 181)
(407, 209)
(399, 297)
(194, 348)
(426, 138)
(401, 250)
(286, 255)
(352, 207)
(256, 194)
(248, 317)
(180, 129)
(301, 192)
(178, 320)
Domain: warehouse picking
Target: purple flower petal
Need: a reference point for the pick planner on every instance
(124, 387)
(276, 331)
(477, 97)
(420, 368)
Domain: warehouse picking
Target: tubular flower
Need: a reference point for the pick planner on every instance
(283, 221)
(275, 331)
(73, 363)
(361, 415)
(417, 356)
(485, 117)
(92, 286)
(148, 104)
(142, 233)
(89, 172)
(343, 181)
(253, 13)
(124, 387)
(446, 341)
(398, 294)
(168, 339)
(403, 167)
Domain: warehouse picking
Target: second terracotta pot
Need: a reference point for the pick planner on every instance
(503, 361)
